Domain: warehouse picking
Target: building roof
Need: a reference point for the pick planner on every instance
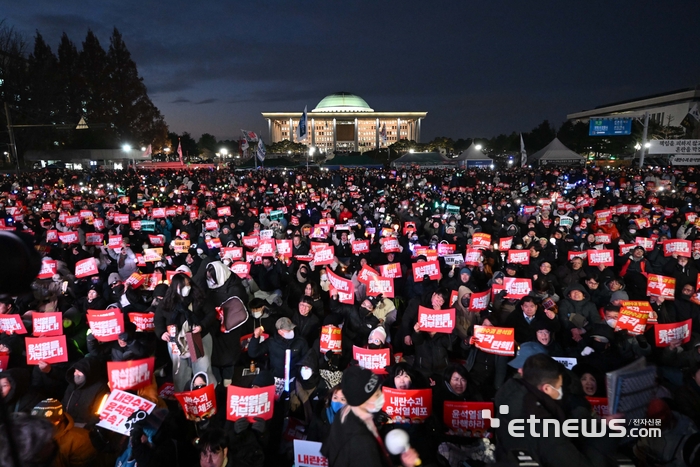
(473, 154)
(424, 159)
(555, 152)
(342, 102)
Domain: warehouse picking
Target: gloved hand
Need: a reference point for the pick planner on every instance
(258, 425)
(240, 425)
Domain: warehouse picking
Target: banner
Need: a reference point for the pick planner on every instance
(250, 403)
(634, 322)
(481, 240)
(517, 288)
(106, 325)
(308, 454)
(365, 274)
(466, 418)
(381, 285)
(197, 404)
(426, 268)
(661, 286)
(479, 301)
(519, 256)
(495, 340)
(504, 244)
(601, 257)
(284, 248)
(679, 247)
(47, 324)
(119, 407)
(360, 246)
(442, 321)
(130, 374)
(12, 324)
(48, 269)
(667, 333)
(408, 405)
(324, 256)
(445, 249)
(331, 339)
(86, 268)
(344, 287)
(625, 248)
(241, 269)
(46, 349)
(392, 270)
(474, 257)
(370, 359)
(69, 238)
(144, 322)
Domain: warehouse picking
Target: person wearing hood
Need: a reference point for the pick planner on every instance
(681, 269)
(599, 349)
(307, 324)
(16, 391)
(571, 274)
(308, 389)
(635, 270)
(87, 385)
(453, 386)
(545, 335)
(128, 346)
(268, 278)
(432, 350)
(577, 315)
(358, 321)
(74, 446)
(222, 285)
(321, 424)
(276, 346)
(92, 301)
(684, 306)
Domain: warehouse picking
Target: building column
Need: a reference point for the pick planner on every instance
(313, 132)
(418, 130)
(357, 132)
(335, 136)
(291, 134)
(398, 130)
(269, 131)
(376, 137)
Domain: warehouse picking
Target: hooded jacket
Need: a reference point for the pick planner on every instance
(350, 443)
(585, 308)
(74, 446)
(81, 401)
(20, 398)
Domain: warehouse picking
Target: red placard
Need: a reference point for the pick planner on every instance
(135, 280)
(331, 339)
(48, 269)
(46, 349)
(99, 224)
(48, 207)
(392, 270)
(601, 257)
(391, 245)
(442, 321)
(144, 322)
(106, 325)
(599, 405)
(135, 225)
(211, 224)
(481, 240)
(156, 240)
(249, 403)
(12, 324)
(479, 301)
(93, 239)
(474, 257)
(344, 287)
(365, 274)
(121, 218)
(115, 241)
(130, 374)
(266, 247)
(495, 340)
(381, 285)
(466, 418)
(158, 213)
(241, 269)
(150, 281)
(284, 248)
(72, 221)
(517, 288)
(625, 248)
(251, 241)
(679, 247)
(233, 252)
(646, 243)
(444, 249)
(603, 217)
(667, 333)
(324, 256)
(51, 236)
(408, 405)
(661, 286)
(371, 359)
(47, 324)
(4, 362)
(603, 238)
(504, 244)
(426, 268)
(634, 322)
(198, 404)
(68, 237)
(519, 256)
(223, 211)
(86, 268)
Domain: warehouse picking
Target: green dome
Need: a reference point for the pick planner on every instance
(342, 102)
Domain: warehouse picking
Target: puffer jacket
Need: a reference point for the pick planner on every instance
(81, 401)
(584, 308)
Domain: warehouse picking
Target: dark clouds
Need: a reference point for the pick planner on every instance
(478, 68)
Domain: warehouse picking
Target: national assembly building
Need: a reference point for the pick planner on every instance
(344, 122)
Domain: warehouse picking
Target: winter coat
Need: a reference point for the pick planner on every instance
(357, 322)
(432, 352)
(226, 347)
(275, 348)
(584, 308)
(350, 443)
(20, 398)
(524, 331)
(74, 446)
(307, 327)
(81, 401)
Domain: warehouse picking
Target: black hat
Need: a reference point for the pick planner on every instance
(358, 385)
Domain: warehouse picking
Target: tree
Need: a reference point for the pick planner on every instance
(189, 145)
(40, 107)
(539, 137)
(285, 147)
(207, 141)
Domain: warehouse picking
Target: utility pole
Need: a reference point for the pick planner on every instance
(13, 146)
(644, 140)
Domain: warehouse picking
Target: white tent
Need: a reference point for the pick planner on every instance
(473, 157)
(556, 153)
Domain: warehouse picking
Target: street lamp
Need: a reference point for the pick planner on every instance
(224, 152)
(143, 148)
(411, 151)
(478, 147)
(312, 150)
(126, 148)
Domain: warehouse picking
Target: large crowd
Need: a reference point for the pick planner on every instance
(349, 303)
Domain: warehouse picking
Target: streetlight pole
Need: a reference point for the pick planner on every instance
(644, 140)
(13, 146)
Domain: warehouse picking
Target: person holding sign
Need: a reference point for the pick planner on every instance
(432, 349)
(354, 439)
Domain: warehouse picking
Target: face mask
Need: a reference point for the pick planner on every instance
(306, 373)
(611, 322)
(336, 406)
(211, 283)
(227, 262)
(560, 392)
(378, 404)
(123, 301)
(257, 314)
(289, 335)
(79, 379)
(185, 291)
(633, 231)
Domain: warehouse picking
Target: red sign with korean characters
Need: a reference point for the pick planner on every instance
(324, 256)
(504, 244)
(198, 404)
(517, 288)
(130, 374)
(599, 405)
(603, 238)
(466, 419)
(119, 407)
(444, 249)
(48, 269)
(495, 340)
(144, 322)
(12, 324)
(94, 239)
(601, 258)
(481, 240)
(479, 301)
(473, 257)
(360, 246)
(646, 243)
(106, 325)
(436, 320)
(344, 287)
(381, 285)
(392, 270)
(667, 333)
(371, 359)
(661, 286)
(408, 405)
(241, 269)
(47, 324)
(86, 268)
(519, 256)
(223, 211)
(634, 322)
(46, 349)
(69, 237)
(250, 403)
(678, 247)
(426, 268)
(331, 339)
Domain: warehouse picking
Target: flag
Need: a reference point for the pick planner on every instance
(695, 112)
(302, 130)
(250, 135)
(179, 150)
(244, 144)
(382, 133)
(148, 151)
(523, 154)
(261, 150)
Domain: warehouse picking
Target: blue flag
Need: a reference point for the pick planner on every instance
(302, 128)
(261, 150)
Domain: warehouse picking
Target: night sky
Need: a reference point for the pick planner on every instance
(477, 68)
